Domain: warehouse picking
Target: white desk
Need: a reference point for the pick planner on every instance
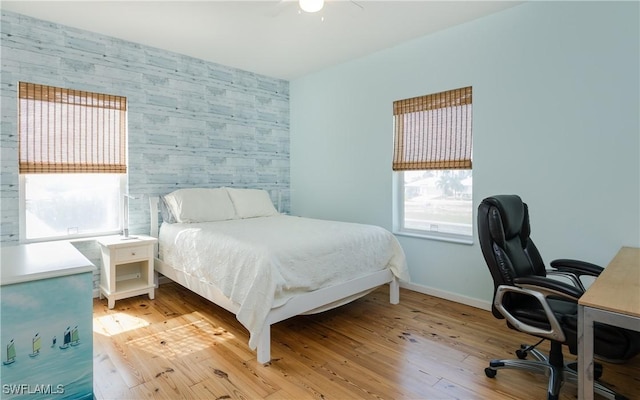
(614, 299)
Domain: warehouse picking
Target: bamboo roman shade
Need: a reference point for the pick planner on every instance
(433, 131)
(65, 130)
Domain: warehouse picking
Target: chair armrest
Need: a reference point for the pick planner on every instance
(555, 333)
(575, 280)
(549, 287)
(576, 267)
(540, 288)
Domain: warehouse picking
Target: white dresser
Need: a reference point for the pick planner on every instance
(46, 324)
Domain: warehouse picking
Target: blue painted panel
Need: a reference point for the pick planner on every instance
(47, 309)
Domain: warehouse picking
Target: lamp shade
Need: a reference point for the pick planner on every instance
(311, 6)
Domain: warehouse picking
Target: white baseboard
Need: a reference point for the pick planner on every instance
(481, 304)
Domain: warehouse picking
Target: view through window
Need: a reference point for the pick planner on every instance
(438, 201)
(58, 205)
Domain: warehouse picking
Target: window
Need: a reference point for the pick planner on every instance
(432, 162)
(72, 162)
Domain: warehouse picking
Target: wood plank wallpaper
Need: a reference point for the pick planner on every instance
(192, 123)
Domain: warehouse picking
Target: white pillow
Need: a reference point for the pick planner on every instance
(251, 203)
(200, 205)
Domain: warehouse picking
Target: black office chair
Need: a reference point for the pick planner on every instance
(536, 304)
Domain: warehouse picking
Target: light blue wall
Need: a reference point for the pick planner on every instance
(192, 123)
(555, 119)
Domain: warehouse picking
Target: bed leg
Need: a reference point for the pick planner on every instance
(264, 345)
(394, 291)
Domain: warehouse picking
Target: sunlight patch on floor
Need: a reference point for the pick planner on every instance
(182, 340)
(117, 323)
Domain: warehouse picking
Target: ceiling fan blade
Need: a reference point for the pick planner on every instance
(282, 6)
(355, 3)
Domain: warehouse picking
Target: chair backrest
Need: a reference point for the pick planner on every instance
(503, 231)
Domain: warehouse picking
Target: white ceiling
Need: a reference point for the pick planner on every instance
(273, 38)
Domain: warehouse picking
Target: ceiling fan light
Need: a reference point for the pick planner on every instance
(311, 6)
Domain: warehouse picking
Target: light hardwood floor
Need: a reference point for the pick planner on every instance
(182, 346)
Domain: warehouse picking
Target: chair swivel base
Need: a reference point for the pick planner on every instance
(557, 375)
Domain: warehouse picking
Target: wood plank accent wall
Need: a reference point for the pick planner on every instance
(192, 123)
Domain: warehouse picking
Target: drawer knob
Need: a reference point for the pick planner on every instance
(133, 253)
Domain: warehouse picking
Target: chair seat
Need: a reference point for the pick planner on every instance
(612, 343)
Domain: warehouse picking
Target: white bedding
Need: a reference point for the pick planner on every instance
(261, 263)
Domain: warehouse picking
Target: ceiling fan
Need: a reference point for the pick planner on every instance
(313, 6)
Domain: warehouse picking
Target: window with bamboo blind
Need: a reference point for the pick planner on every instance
(72, 161)
(432, 157)
(65, 130)
(433, 131)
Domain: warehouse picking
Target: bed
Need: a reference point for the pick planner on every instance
(232, 247)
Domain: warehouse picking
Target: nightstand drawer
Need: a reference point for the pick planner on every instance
(132, 253)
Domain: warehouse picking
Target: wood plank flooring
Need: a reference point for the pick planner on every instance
(181, 346)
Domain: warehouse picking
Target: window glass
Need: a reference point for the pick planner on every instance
(437, 201)
(67, 205)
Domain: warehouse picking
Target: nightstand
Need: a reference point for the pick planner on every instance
(127, 267)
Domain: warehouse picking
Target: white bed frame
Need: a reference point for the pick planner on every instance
(308, 303)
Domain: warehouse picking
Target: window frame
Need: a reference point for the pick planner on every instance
(436, 146)
(68, 131)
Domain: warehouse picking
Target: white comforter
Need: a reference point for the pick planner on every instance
(261, 263)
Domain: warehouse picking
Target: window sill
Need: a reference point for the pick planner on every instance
(71, 239)
(439, 237)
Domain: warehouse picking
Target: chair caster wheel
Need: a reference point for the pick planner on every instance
(490, 373)
(522, 354)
